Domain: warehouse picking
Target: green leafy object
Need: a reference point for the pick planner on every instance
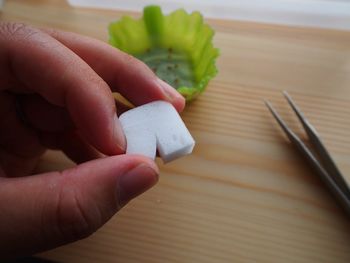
(177, 47)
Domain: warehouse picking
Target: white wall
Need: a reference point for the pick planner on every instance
(314, 13)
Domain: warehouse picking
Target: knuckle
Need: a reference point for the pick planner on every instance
(72, 219)
(13, 30)
(52, 32)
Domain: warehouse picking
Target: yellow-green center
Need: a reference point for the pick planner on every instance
(172, 67)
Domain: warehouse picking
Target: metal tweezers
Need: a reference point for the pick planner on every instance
(325, 166)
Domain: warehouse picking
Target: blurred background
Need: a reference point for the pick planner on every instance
(314, 13)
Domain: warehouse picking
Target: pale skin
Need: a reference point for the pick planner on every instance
(63, 83)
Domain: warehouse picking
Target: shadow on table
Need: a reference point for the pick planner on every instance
(29, 260)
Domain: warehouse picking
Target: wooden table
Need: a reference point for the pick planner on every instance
(244, 195)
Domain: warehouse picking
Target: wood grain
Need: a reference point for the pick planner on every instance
(244, 195)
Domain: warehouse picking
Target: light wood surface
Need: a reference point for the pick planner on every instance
(244, 195)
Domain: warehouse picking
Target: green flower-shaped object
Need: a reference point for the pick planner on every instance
(177, 47)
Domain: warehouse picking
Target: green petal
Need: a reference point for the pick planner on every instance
(177, 47)
(153, 17)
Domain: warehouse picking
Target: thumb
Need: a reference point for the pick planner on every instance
(47, 210)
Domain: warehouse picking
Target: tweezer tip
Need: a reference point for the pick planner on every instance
(286, 94)
(271, 108)
(266, 102)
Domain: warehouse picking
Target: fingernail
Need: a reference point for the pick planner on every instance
(135, 182)
(169, 91)
(119, 134)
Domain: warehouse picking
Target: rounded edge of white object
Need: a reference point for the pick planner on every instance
(126, 114)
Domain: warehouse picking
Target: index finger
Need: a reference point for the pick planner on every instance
(123, 73)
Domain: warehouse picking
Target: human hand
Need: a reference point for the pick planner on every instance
(61, 84)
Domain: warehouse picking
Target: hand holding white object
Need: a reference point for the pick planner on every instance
(56, 92)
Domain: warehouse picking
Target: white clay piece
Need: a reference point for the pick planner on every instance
(156, 125)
